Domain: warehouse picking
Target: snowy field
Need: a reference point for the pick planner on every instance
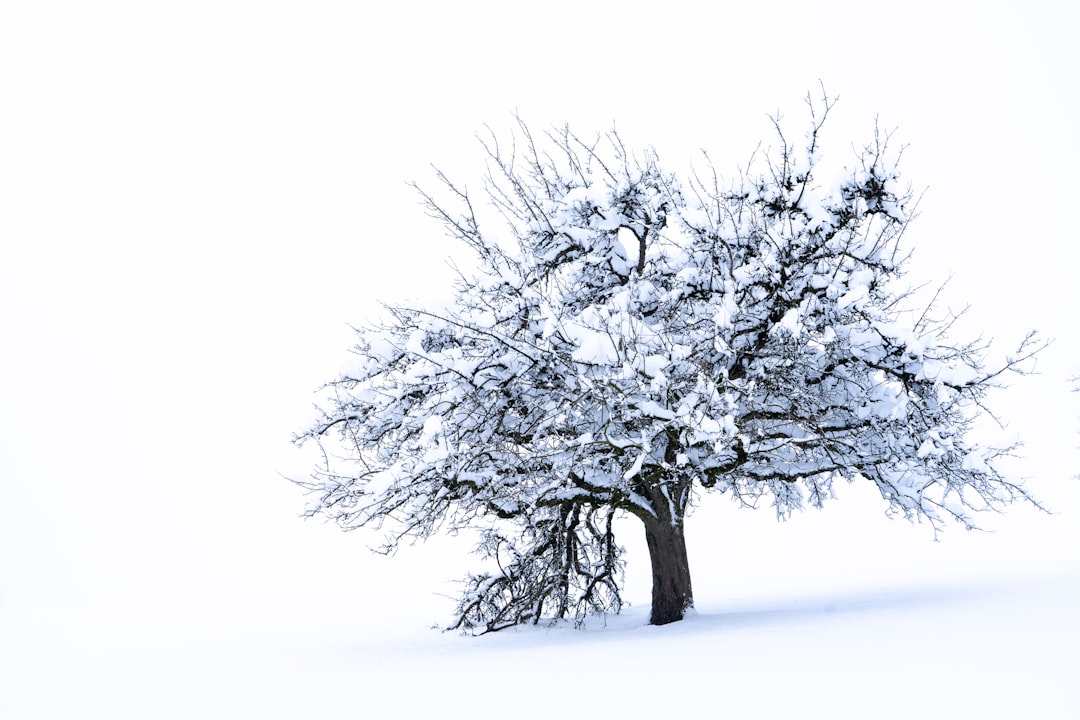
(829, 615)
(961, 650)
(197, 198)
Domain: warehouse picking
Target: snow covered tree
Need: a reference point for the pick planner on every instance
(628, 341)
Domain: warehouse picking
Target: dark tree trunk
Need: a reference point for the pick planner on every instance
(671, 591)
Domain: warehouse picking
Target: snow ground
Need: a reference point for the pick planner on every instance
(964, 650)
(801, 620)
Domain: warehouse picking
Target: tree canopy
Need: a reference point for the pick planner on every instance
(629, 340)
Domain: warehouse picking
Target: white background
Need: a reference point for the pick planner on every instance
(197, 198)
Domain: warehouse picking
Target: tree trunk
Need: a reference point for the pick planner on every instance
(671, 591)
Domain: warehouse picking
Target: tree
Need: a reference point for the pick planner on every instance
(627, 341)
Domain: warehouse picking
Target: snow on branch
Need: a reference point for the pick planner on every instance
(627, 336)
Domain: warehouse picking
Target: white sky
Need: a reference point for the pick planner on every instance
(197, 197)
